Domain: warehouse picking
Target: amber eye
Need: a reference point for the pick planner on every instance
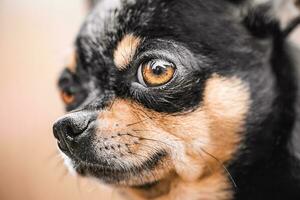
(156, 73)
(67, 97)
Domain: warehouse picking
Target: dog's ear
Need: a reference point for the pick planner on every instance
(264, 17)
(297, 3)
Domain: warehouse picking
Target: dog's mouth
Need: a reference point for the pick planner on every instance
(135, 177)
(119, 171)
(122, 157)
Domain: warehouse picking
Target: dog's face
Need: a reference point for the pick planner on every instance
(161, 89)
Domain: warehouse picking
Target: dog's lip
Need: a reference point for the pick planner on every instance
(153, 160)
(105, 172)
(62, 146)
(146, 186)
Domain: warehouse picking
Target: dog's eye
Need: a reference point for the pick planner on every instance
(72, 91)
(155, 73)
(67, 97)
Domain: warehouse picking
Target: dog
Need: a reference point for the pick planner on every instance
(183, 99)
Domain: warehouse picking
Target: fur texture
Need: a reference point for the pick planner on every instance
(225, 126)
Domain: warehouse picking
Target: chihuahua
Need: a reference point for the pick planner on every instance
(184, 99)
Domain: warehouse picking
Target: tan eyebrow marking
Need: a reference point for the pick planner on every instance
(125, 50)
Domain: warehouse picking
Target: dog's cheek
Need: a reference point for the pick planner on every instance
(191, 132)
(227, 102)
(211, 134)
(213, 187)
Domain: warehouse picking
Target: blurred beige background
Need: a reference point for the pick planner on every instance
(34, 34)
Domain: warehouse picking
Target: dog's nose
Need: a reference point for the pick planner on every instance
(72, 125)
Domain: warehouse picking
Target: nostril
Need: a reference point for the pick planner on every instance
(73, 125)
(73, 128)
(70, 130)
(66, 127)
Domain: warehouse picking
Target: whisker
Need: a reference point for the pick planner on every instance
(63, 174)
(223, 166)
(209, 143)
(52, 155)
(202, 157)
(78, 185)
(149, 139)
(112, 103)
(136, 122)
(174, 139)
(153, 149)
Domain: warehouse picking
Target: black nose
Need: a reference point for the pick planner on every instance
(72, 125)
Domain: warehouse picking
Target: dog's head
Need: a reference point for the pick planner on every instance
(162, 88)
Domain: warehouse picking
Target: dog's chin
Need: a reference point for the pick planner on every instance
(147, 173)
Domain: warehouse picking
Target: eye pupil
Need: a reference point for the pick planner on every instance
(158, 70)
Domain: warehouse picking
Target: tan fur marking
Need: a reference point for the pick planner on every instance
(212, 187)
(191, 139)
(226, 103)
(125, 51)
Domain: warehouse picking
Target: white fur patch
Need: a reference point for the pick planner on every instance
(68, 162)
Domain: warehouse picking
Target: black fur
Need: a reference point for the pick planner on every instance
(202, 38)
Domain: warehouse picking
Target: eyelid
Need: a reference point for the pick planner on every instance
(65, 78)
(148, 57)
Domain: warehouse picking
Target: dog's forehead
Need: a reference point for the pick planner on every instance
(197, 26)
(111, 20)
(102, 20)
(108, 22)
